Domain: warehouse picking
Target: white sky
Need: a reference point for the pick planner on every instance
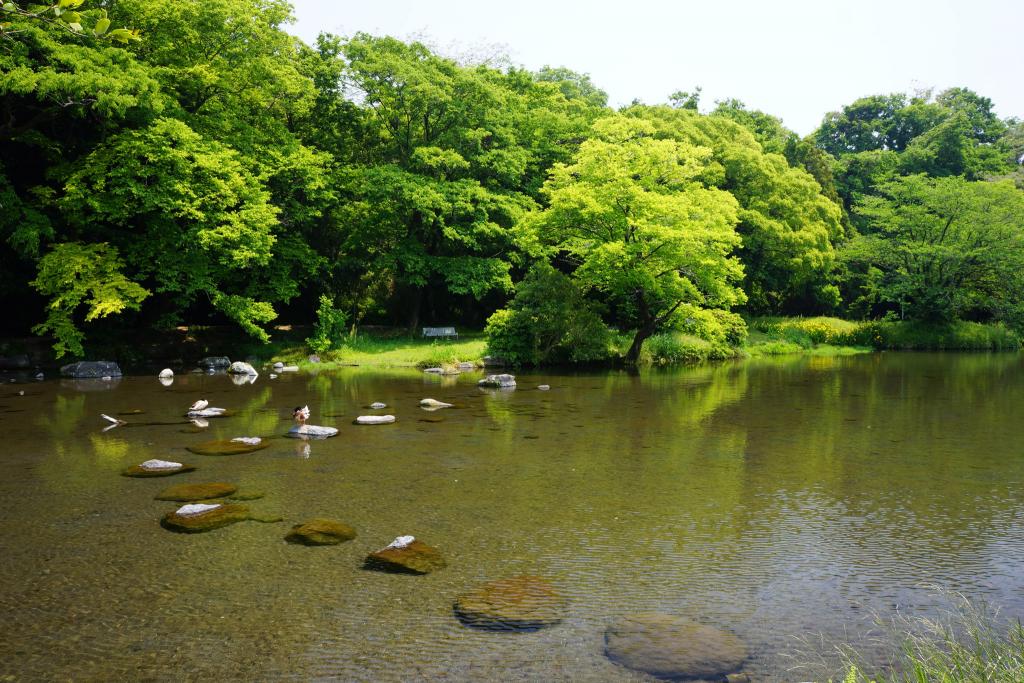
(796, 59)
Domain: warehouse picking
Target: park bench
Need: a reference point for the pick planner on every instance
(440, 332)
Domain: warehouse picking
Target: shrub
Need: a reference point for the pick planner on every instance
(549, 320)
(329, 328)
(677, 347)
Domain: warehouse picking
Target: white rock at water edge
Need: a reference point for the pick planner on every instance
(241, 368)
(544, 387)
(207, 412)
(165, 373)
(289, 368)
(377, 405)
(248, 440)
(400, 542)
(278, 365)
(193, 509)
(160, 465)
(375, 419)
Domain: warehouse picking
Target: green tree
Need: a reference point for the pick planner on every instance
(939, 249)
(645, 234)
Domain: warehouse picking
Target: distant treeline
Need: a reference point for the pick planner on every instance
(205, 165)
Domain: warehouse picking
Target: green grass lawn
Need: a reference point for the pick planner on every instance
(393, 351)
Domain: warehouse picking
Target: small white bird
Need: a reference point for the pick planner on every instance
(199, 405)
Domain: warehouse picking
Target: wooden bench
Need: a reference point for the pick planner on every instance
(440, 332)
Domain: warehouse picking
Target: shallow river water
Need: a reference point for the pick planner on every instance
(789, 501)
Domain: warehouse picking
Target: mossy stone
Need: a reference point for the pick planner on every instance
(320, 532)
(415, 558)
(187, 492)
(226, 447)
(220, 516)
(519, 603)
(137, 471)
(670, 647)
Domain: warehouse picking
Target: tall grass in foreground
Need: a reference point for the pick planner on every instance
(968, 643)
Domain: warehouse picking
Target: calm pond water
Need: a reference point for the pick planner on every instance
(784, 500)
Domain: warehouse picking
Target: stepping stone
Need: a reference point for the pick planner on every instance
(519, 603)
(320, 532)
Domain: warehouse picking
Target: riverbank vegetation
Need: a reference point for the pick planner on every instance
(193, 163)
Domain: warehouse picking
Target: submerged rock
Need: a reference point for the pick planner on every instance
(312, 431)
(187, 492)
(241, 368)
(246, 494)
(226, 447)
(199, 517)
(406, 555)
(374, 419)
(320, 532)
(671, 647)
(431, 403)
(91, 369)
(498, 381)
(157, 468)
(519, 603)
(215, 363)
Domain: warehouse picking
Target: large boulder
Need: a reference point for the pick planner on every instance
(503, 381)
(227, 447)
(187, 492)
(91, 369)
(666, 646)
(519, 603)
(215, 363)
(406, 555)
(241, 368)
(320, 532)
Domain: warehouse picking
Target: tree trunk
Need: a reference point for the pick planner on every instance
(414, 310)
(633, 355)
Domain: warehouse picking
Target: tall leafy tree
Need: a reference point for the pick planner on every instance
(939, 249)
(645, 233)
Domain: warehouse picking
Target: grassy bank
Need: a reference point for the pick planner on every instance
(770, 336)
(385, 350)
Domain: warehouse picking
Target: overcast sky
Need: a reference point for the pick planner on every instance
(796, 59)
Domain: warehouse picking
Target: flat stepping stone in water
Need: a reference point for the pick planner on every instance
(247, 495)
(671, 647)
(320, 532)
(519, 603)
(374, 419)
(312, 431)
(187, 492)
(198, 517)
(406, 555)
(226, 447)
(208, 412)
(503, 381)
(433, 404)
(157, 468)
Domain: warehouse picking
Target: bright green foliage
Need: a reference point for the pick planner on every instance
(205, 222)
(67, 15)
(74, 274)
(436, 206)
(646, 234)
(787, 225)
(938, 249)
(329, 327)
(549, 320)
